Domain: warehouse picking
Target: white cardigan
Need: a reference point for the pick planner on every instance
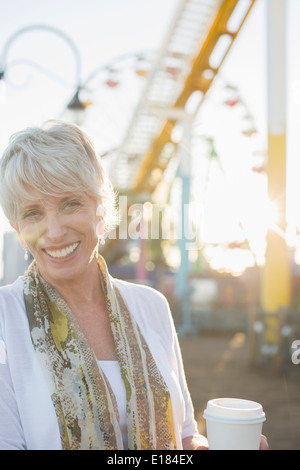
(27, 416)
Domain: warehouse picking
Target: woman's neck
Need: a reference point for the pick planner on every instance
(82, 291)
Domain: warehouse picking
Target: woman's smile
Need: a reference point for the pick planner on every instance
(62, 253)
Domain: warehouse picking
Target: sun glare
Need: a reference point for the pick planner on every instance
(233, 244)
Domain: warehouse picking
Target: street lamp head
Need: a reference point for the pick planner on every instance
(75, 103)
(76, 108)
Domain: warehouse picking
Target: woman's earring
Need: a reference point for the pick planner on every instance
(102, 241)
(26, 255)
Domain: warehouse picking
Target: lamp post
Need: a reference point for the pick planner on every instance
(28, 29)
(75, 109)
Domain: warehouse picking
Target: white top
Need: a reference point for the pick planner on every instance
(112, 372)
(27, 415)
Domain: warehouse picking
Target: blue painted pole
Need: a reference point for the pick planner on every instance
(182, 277)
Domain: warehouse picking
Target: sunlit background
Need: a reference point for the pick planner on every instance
(50, 50)
(108, 48)
(102, 53)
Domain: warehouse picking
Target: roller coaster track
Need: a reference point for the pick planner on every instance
(198, 41)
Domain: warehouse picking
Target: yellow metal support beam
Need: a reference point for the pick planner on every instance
(276, 280)
(200, 78)
(276, 283)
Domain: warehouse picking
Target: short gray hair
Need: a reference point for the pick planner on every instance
(55, 158)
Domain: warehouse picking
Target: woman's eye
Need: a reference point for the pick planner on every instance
(72, 204)
(31, 214)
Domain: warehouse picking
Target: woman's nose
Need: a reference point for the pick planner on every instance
(55, 228)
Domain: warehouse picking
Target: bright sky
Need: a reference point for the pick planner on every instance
(100, 30)
(103, 30)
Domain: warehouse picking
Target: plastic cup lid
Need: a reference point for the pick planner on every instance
(234, 410)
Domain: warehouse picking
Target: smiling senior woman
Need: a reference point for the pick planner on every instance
(86, 361)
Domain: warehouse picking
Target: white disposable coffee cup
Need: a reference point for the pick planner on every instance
(233, 424)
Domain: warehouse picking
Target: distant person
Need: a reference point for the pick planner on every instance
(86, 361)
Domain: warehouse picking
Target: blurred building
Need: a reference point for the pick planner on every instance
(13, 260)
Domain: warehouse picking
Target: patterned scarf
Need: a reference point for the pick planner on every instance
(84, 403)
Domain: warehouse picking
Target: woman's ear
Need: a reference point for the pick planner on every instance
(100, 214)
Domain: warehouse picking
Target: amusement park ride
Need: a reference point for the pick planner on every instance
(196, 45)
(182, 72)
(199, 38)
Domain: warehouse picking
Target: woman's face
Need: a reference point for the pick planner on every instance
(60, 232)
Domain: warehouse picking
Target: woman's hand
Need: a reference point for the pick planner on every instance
(195, 443)
(264, 443)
